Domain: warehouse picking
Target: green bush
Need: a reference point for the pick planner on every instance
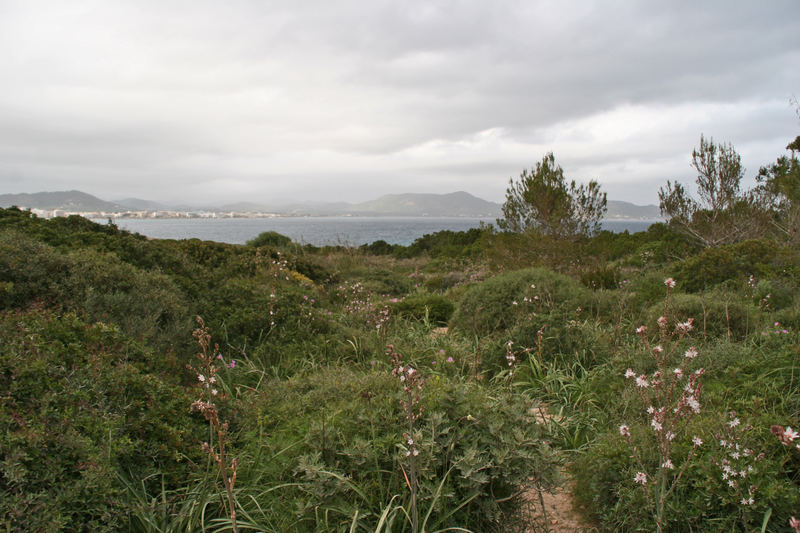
(346, 430)
(437, 309)
(715, 314)
(270, 238)
(760, 258)
(490, 306)
(80, 408)
(145, 305)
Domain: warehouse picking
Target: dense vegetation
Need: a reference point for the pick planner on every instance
(330, 396)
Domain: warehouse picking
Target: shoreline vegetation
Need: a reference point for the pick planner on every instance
(448, 385)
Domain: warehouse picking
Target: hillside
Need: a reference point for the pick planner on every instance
(456, 204)
(626, 210)
(67, 200)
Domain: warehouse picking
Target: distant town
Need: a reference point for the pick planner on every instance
(51, 213)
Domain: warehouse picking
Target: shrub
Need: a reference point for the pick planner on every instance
(270, 238)
(437, 309)
(490, 306)
(347, 433)
(81, 408)
(716, 314)
(761, 258)
(145, 305)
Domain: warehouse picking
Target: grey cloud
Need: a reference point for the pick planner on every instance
(320, 98)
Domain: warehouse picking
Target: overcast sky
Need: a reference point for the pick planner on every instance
(269, 101)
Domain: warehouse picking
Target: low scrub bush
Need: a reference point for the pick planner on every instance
(474, 450)
(498, 303)
(716, 314)
(80, 409)
(434, 308)
(712, 266)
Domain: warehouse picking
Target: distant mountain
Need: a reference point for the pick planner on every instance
(628, 211)
(76, 201)
(137, 204)
(456, 204)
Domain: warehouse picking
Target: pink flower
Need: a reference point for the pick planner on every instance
(641, 477)
(233, 363)
(669, 282)
(641, 329)
(450, 359)
(662, 321)
(668, 464)
(697, 441)
(641, 381)
(691, 353)
(624, 431)
(630, 373)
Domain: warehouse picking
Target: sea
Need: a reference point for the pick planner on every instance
(321, 231)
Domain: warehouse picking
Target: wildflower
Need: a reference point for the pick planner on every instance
(668, 464)
(232, 363)
(734, 422)
(201, 378)
(795, 523)
(450, 359)
(441, 352)
(747, 501)
(662, 321)
(691, 353)
(658, 349)
(656, 425)
(641, 329)
(624, 431)
(641, 381)
(669, 435)
(630, 373)
(669, 282)
(678, 373)
(219, 356)
(214, 392)
(697, 441)
(693, 404)
(641, 477)
(651, 410)
(684, 327)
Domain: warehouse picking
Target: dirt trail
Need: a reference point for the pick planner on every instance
(558, 506)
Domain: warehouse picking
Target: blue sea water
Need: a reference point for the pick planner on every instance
(319, 231)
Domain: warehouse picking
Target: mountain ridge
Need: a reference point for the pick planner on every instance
(455, 204)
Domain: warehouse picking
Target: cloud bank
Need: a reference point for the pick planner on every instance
(271, 101)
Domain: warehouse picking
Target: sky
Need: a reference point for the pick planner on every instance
(267, 101)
